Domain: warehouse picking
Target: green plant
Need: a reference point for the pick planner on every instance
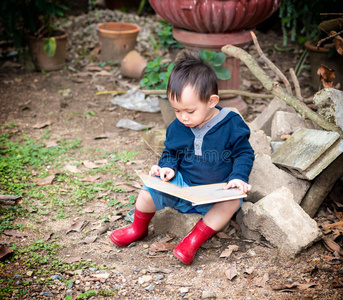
(165, 36)
(156, 74)
(300, 18)
(20, 18)
(216, 60)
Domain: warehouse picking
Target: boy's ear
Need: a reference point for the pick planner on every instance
(214, 100)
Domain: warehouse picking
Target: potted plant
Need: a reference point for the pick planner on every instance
(31, 24)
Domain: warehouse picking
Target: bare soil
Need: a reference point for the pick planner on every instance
(30, 98)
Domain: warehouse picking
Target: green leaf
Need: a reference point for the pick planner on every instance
(153, 78)
(222, 72)
(50, 46)
(151, 64)
(219, 59)
(170, 67)
(162, 75)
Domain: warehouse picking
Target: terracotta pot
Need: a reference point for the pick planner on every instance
(167, 111)
(215, 16)
(133, 65)
(44, 62)
(320, 56)
(117, 39)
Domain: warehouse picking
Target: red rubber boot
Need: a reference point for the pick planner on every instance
(186, 249)
(137, 231)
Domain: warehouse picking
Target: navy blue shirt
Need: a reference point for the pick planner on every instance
(219, 151)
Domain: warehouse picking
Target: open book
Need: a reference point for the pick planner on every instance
(200, 194)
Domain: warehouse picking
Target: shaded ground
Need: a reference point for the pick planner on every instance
(31, 100)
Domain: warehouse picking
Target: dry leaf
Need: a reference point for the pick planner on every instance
(51, 144)
(126, 187)
(90, 165)
(158, 246)
(88, 210)
(42, 125)
(249, 270)
(89, 239)
(72, 169)
(91, 178)
(331, 245)
(14, 234)
(48, 236)
(261, 281)
(115, 218)
(338, 41)
(231, 273)
(103, 229)
(95, 277)
(77, 226)
(326, 75)
(102, 136)
(294, 287)
(71, 260)
(222, 235)
(44, 181)
(101, 162)
(227, 252)
(4, 251)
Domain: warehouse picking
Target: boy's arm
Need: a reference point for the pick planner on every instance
(242, 152)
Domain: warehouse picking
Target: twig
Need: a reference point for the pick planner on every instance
(328, 38)
(151, 148)
(270, 64)
(236, 92)
(276, 90)
(296, 84)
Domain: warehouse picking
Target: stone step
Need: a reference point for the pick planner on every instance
(308, 152)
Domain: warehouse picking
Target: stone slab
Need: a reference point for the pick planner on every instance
(265, 177)
(171, 221)
(259, 142)
(308, 152)
(285, 123)
(282, 222)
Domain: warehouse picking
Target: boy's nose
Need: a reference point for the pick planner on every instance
(184, 117)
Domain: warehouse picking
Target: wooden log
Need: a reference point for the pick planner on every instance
(322, 186)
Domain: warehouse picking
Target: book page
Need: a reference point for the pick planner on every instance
(201, 194)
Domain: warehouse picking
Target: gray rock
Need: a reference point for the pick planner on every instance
(46, 294)
(285, 123)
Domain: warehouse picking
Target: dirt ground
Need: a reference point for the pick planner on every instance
(31, 98)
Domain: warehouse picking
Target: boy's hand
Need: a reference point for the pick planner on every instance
(165, 173)
(237, 183)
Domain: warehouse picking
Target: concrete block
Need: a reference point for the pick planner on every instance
(282, 222)
(275, 145)
(264, 120)
(260, 143)
(265, 178)
(246, 232)
(171, 221)
(285, 123)
(308, 152)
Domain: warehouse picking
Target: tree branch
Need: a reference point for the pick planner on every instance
(276, 90)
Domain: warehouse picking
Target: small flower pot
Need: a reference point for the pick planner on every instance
(133, 65)
(117, 39)
(44, 62)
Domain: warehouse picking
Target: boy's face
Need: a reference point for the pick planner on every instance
(192, 112)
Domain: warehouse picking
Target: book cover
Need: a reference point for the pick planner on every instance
(200, 194)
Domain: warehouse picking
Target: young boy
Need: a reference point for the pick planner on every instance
(205, 144)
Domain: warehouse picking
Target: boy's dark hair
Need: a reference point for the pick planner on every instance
(191, 70)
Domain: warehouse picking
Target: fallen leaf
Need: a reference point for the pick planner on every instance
(48, 236)
(227, 252)
(115, 218)
(338, 42)
(51, 144)
(77, 226)
(234, 224)
(331, 245)
(338, 225)
(90, 165)
(103, 229)
(101, 162)
(158, 246)
(126, 187)
(261, 281)
(4, 251)
(97, 277)
(42, 125)
(89, 240)
(72, 169)
(14, 234)
(44, 181)
(231, 273)
(222, 235)
(91, 178)
(71, 260)
(249, 270)
(102, 136)
(88, 210)
(326, 76)
(294, 287)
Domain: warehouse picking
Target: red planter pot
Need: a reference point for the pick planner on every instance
(215, 16)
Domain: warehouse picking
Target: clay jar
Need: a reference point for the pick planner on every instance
(44, 62)
(117, 39)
